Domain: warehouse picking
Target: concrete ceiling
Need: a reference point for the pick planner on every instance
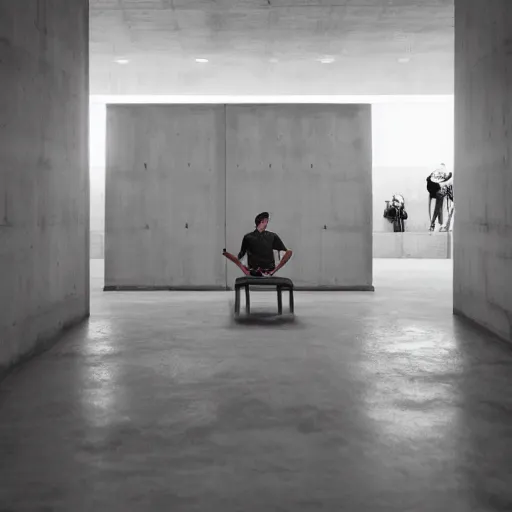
(272, 47)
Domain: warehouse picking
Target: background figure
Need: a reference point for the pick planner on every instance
(395, 212)
(437, 186)
(450, 206)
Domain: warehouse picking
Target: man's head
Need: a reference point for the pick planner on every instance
(261, 221)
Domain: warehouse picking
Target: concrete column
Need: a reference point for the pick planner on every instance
(483, 172)
(44, 180)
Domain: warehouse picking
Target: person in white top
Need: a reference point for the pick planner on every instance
(439, 185)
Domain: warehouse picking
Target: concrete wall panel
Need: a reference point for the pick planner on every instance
(44, 187)
(310, 166)
(435, 245)
(409, 140)
(165, 196)
(483, 165)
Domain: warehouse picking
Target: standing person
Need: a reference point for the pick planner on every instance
(437, 186)
(259, 245)
(451, 209)
(395, 213)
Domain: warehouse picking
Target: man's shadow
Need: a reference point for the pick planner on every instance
(262, 318)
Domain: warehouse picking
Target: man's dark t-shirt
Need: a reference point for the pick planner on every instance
(260, 249)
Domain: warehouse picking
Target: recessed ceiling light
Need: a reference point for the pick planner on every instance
(122, 61)
(327, 60)
(202, 61)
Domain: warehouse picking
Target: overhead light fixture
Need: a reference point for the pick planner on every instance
(327, 60)
(202, 61)
(404, 60)
(122, 61)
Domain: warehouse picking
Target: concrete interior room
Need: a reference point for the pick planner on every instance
(139, 139)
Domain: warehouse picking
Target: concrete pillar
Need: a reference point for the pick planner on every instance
(44, 181)
(483, 172)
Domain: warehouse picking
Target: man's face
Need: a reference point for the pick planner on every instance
(264, 224)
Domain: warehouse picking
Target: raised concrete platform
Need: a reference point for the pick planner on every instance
(427, 245)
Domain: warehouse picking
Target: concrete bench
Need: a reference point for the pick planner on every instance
(279, 283)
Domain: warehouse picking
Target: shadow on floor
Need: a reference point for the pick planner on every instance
(262, 318)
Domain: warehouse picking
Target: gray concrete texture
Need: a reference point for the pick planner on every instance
(267, 47)
(97, 205)
(408, 141)
(483, 166)
(376, 402)
(310, 166)
(428, 245)
(207, 178)
(409, 181)
(165, 196)
(44, 187)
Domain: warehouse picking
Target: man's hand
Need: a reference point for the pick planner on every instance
(282, 263)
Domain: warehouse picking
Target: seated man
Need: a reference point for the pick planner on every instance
(259, 245)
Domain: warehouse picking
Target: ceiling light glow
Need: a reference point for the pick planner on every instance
(326, 60)
(122, 61)
(202, 61)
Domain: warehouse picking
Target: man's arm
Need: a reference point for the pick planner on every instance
(243, 249)
(236, 260)
(279, 246)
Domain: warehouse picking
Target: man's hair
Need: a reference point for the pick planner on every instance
(260, 217)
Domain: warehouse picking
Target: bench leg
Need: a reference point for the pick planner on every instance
(247, 300)
(279, 301)
(292, 304)
(237, 301)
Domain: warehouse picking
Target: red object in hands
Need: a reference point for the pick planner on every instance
(236, 261)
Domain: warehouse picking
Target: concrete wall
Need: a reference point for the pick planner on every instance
(483, 143)
(180, 187)
(310, 167)
(44, 188)
(428, 245)
(409, 139)
(165, 196)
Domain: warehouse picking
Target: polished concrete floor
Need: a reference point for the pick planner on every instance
(368, 402)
